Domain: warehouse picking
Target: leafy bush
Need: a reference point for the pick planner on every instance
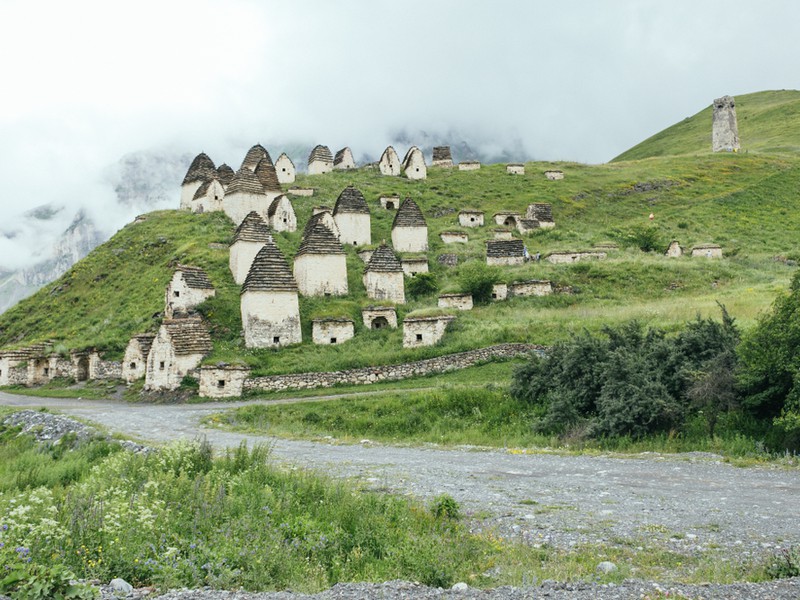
(785, 563)
(422, 284)
(40, 582)
(646, 238)
(446, 507)
(478, 278)
(628, 381)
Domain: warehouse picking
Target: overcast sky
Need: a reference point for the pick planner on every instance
(88, 81)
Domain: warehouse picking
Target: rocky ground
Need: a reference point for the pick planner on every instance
(689, 503)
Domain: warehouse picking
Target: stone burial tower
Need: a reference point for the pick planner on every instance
(724, 131)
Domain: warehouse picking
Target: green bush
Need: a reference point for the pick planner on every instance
(478, 278)
(422, 284)
(628, 381)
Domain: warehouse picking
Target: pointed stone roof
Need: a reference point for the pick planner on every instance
(195, 277)
(505, 248)
(145, 341)
(409, 215)
(202, 168)
(245, 182)
(267, 175)
(318, 239)
(350, 200)
(384, 260)
(188, 335)
(269, 272)
(252, 229)
(225, 174)
(320, 152)
(342, 154)
(285, 156)
(254, 156)
(273, 206)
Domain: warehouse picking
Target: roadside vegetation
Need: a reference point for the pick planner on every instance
(180, 517)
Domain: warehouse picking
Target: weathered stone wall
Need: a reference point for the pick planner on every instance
(390, 202)
(333, 331)
(509, 219)
(284, 218)
(515, 169)
(454, 237)
(674, 250)
(354, 228)
(211, 201)
(270, 315)
(321, 274)
(505, 260)
(180, 297)
(108, 369)
(457, 301)
(503, 234)
(240, 258)
(470, 165)
(554, 175)
(188, 191)
(707, 252)
(371, 313)
(285, 170)
(298, 191)
(530, 288)
(424, 331)
(222, 382)
(385, 286)
(319, 167)
(499, 291)
(238, 205)
(390, 162)
(571, 257)
(415, 168)
(134, 363)
(412, 266)
(470, 219)
(724, 128)
(410, 239)
(17, 375)
(367, 375)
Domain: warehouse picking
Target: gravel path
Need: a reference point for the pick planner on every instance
(685, 502)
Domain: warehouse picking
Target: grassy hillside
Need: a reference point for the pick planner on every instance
(745, 202)
(769, 122)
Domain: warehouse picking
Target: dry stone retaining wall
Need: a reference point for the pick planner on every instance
(367, 375)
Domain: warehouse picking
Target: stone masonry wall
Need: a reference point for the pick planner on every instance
(367, 375)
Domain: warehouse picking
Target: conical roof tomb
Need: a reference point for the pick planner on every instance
(284, 167)
(225, 174)
(320, 160)
(414, 164)
(265, 171)
(409, 229)
(208, 197)
(281, 215)
(269, 303)
(201, 169)
(254, 156)
(383, 276)
(320, 266)
(389, 163)
(344, 159)
(351, 214)
(250, 237)
(269, 272)
(244, 194)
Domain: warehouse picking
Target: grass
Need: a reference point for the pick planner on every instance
(484, 416)
(744, 202)
(181, 517)
(768, 122)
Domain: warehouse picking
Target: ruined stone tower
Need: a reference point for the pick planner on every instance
(725, 132)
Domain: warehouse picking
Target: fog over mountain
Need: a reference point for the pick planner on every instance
(110, 100)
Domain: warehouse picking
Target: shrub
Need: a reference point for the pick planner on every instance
(446, 507)
(646, 239)
(422, 284)
(629, 381)
(478, 279)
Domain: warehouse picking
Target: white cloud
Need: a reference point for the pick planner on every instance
(92, 80)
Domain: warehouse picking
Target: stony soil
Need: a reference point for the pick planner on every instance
(687, 503)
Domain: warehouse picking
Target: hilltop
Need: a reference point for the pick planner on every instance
(744, 202)
(769, 123)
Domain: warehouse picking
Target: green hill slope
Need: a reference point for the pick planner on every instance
(769, 122)
(744, 202)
